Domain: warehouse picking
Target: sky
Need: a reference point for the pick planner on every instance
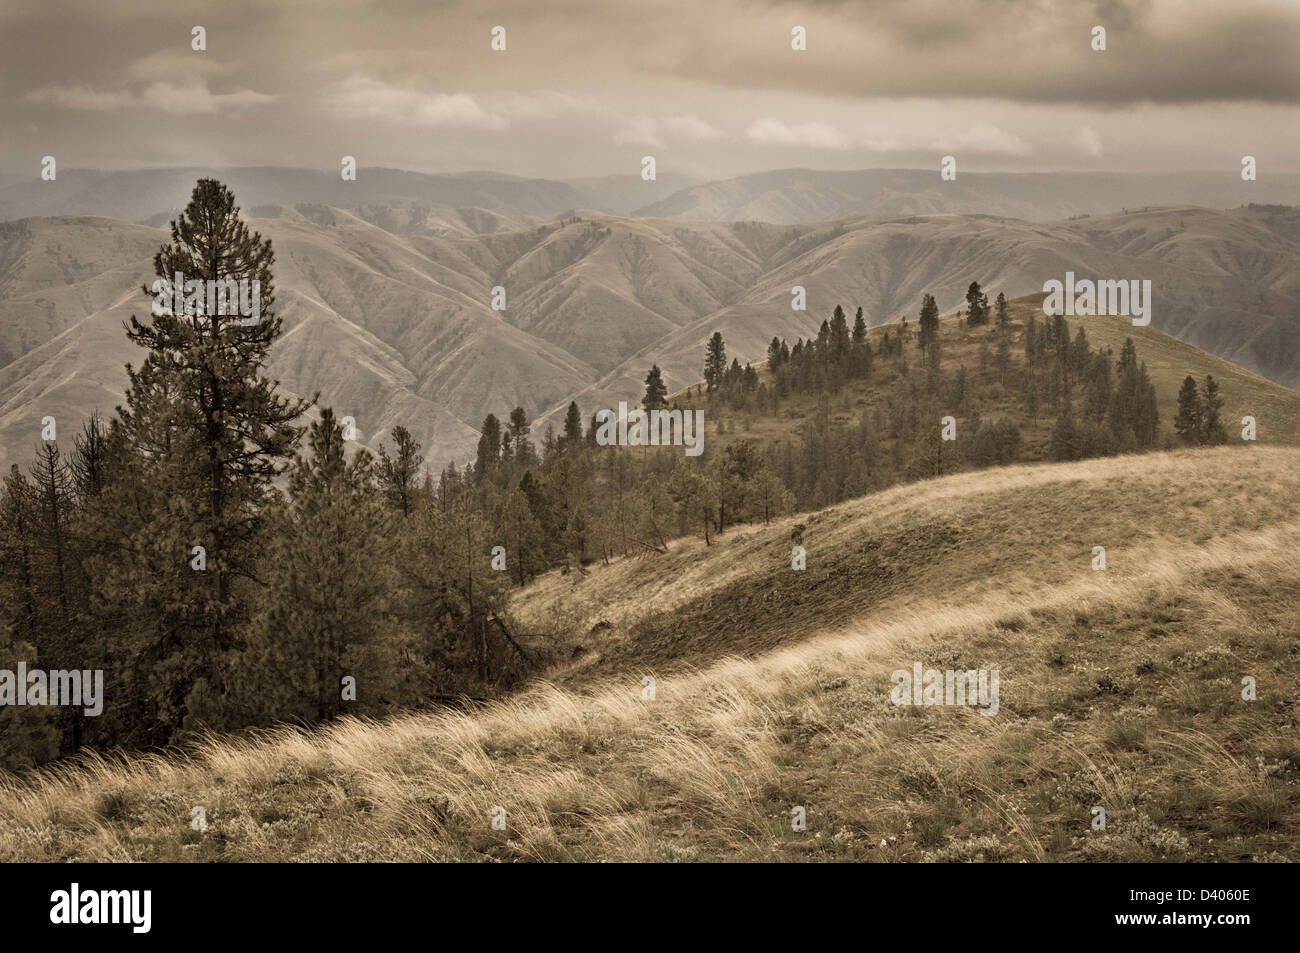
(711, 88)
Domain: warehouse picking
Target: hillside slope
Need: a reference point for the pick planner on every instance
(1276, 409)
(1119, 689)
(1224, 281)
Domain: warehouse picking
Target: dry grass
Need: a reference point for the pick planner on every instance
(1119, 689)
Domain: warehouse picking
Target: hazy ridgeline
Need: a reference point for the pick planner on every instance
(225, 564)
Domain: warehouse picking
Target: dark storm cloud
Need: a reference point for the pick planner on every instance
(587, 86)
(1165, 51)
(1030, 50)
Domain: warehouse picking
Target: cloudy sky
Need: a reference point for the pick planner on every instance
(711, 88)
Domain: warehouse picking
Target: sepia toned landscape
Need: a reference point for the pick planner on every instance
(808, 468)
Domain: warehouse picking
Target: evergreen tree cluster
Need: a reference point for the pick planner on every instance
(1100, 411)
(571, 501)
(1101, 405)
(1197, 420)
(217, 571)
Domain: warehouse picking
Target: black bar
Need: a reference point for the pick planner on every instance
(973, 903)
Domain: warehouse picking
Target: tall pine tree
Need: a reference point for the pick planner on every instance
(192, 456)
(656, 393)
(715, 361)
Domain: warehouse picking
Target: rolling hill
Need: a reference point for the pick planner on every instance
(1120, 689)
(1276, 409)
(1220, 281)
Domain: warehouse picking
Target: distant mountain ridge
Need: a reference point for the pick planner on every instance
(397, 328)
(793, 196)
(475, 202)
(482, 200)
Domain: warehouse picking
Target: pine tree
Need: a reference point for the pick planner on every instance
(1053, 385)
(1211, 404)
(454, 592)
(1123, 407)
(774, 354)
(738, 464)
(1031, 396)
(1060, 338)
(1097, 390)
(859, 329)
(18, 557)
(656, 393)
(572, 438)
(696, 494)
(488, 453)
(201, 438)
(29, 735)
(1134, 417)
(60, 588)
(398, 474)
(523, 536)
(1080, 354)
(53, 499)
(90, 448)
(1064, 444)
(769, 496)
(1004, 313)
(518, 425)
(977, 305)
(929, 322)
(1187, 422)
(839, 335)
(932, 456)
(518, 428)
(540, 504)
(1148, 413)
(715, 361)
